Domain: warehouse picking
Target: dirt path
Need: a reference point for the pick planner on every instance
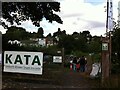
(79, 80)
(69, 79)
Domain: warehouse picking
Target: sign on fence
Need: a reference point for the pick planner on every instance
(23, 62)
(57, 59)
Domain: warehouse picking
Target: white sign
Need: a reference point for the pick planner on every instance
(57, 59)
(104, 46)
(23, 62)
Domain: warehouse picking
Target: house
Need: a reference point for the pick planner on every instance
(42, 41)
(14, 42)
(49, 41)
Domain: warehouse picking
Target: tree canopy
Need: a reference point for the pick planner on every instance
(40, 32)
(17, 12)
(16, 33)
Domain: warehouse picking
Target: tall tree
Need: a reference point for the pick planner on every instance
(68, 42)
(40, 32)
(16, 12)
(49, 35)
(58, 33)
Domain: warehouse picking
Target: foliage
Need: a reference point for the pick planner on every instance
(80, 42)
(17, 33)
(115, 59)
(78, 53)
(17, 12)
(40, 32)
(116, 46)
(96, 57)
(76, 44)
(94, 46)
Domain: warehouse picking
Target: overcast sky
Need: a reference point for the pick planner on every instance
(77, 15)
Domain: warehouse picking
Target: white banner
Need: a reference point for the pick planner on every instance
(57, 59)
(23, 62)
(110, 15)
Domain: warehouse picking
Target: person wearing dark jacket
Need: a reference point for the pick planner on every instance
(82, 64)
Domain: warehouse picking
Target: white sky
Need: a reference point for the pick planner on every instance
(77, 15)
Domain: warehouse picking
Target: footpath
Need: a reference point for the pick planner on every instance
(79, 80)
(69, 79)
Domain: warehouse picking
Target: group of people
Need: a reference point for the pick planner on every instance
(78, 64)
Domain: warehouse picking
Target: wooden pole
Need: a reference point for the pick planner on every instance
(106, 53)
(105, 59)
(110, 52)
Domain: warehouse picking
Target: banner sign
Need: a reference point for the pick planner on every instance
(57, 59)
(23, 62)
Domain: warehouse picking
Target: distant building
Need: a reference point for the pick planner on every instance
(37, 42)
(14, 42)
(49, 41)
(42, 41)
(34, 39)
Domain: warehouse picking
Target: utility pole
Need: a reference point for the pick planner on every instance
(111, 29)
(105, 59)
(106, 44)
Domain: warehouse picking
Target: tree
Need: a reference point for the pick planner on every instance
(58, 33)
(85, 33)
(68, 42)
(18, 33)
(17, 12)
(116, 44)
(75, 34)
(49, 35)
(40, 32)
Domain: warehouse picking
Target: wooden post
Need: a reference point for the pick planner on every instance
(105, 59)
(110, 51)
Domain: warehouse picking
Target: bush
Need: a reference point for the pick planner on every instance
(115, 69)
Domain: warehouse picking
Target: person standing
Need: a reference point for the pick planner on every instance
(82, 64)
(78, 65)
(74, 63)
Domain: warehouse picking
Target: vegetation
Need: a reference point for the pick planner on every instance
(77, 44)
(14, 12)
(17, 12)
